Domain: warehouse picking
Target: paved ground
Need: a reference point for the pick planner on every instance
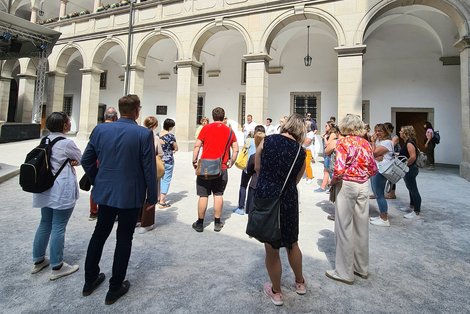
(415, 266)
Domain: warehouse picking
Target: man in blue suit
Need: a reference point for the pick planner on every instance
(124, 182)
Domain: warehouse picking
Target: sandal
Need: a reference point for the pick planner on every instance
(163, 205)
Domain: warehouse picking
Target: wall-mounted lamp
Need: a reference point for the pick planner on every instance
(308, 59)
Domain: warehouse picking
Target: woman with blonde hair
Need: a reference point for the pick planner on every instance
(204, 121)
(354, 166)
(410, 151)
(147, 216)
(280, 164)
(383, 152)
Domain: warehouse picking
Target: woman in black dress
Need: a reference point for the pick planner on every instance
(273, 161)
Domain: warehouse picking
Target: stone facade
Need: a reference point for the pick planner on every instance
(265, 33)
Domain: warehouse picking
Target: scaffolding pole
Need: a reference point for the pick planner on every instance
(40, 87)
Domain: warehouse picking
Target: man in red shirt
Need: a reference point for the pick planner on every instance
(214, 138)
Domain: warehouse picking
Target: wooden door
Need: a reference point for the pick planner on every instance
(416, 119)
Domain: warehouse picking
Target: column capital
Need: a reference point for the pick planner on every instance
(188, 63)
(26, 76)
(358, 50)
(134, 67)
(57, 73)
(463, 43)
(5, 78)
(257, 57)
(91, 71)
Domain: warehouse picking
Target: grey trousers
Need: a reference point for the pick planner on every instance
(352, 229)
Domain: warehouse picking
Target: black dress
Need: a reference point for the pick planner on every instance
(277, 157)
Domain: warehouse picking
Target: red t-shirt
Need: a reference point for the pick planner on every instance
(214, 139)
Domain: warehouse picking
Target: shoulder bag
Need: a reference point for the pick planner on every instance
(210, 169)
(242, 158)
(394, 169)
(264, 221)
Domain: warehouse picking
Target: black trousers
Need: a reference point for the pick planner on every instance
(127, 218)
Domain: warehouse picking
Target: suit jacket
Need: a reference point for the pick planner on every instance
(127, 169)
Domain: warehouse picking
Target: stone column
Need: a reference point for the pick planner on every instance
(136, 80)
(55, 92)
(26, 86)
(464, 46)
(350, 80)
(186, 103)
(63, 8)
(89, 102)
(257, 86)
(5, 83)
(34, 15)
(96, 4)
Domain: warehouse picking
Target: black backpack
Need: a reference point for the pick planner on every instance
(36, 172)
(436, 138)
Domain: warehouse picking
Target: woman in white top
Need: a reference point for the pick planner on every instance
(58, 202)
(308, 144)
(383, 152)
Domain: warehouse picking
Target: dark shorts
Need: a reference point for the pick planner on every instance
(216, 186)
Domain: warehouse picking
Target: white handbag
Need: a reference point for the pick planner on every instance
(394, 169)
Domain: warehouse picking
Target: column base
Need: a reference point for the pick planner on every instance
(186, 146)
(83, 135)
(465, 170)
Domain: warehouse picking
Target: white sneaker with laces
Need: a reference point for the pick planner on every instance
(143, 230)
(65, 270)
(38, 267)
(380, 222)
(411, 215)
(301, 288)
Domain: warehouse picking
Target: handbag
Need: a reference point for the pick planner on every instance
(160, 167)
(421, 159)
(242, 158)
(394, 169)
(264, 220)
(85, 183)
(210, 169)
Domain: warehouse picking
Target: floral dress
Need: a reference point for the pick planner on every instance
(278, 154)
(167, 147)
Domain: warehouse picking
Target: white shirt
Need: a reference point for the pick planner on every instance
(64, 192)
(389, 155)
(270, 129)
(249, 127)
(311, 136)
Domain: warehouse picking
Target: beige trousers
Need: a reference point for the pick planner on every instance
(352, 229)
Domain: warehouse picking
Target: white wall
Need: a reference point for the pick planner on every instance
(404, 71)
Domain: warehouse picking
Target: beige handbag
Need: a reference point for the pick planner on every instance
(160, 167)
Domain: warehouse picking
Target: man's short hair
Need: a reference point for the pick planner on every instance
(56, 121)
(128, 103)
(110, 114)
(218, 114)
(270, 120)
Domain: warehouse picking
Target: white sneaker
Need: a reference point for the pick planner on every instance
(38, 267)
(380, 222)
(374, 218)
(65, 270)
(309, 181)
(143, 230)
(411, 215)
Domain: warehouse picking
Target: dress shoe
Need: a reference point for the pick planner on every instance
(89, 287)
(114, 295)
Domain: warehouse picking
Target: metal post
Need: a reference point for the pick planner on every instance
(40, 87)
(129, 47)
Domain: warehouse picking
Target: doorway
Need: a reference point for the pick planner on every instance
(416, 118)
(13, 101)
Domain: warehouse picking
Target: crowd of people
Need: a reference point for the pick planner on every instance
(120, 162)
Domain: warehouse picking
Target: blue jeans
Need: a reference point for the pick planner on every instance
(53, 223)
(410, 182)
(166, 179)
(378, 187)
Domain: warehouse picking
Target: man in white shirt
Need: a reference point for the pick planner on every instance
(249, 126)
(270, 129)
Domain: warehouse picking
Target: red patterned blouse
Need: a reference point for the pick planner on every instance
(354, 159)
